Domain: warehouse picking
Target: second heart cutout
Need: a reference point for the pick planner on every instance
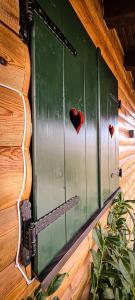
(111, 130)
(76, 118)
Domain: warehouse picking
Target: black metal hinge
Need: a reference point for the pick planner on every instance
(118, 101)
(30, 230)
(117, 173)
(26, 12)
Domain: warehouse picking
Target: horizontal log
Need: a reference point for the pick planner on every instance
(128, 162)
(16, 71)
(13, 285)
(85, 294)
(8, 220)
(11, 175)
(10, 278)
(125, 122)
(12, 119)
(126, 153)
(22, 291)
(8, 236)
(127, 117)
(128, 174)
(126, 141)
(8, 248)
(130, 106)
(9, 14)
(123, 133)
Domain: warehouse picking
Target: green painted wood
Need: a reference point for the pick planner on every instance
(91, 86)
(74, 143)
(48, 173)
(65, 163)
(108, 116)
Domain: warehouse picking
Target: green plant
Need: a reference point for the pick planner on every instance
(113, 266)
(40, 294)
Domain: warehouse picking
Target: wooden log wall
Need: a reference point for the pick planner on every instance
(16, 75)
(14, 86)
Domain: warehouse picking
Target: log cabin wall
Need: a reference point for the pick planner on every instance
(15, 115)
(15, 74)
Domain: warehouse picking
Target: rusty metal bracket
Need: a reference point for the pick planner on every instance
(30, 230)
(26, 14)
(26, 8)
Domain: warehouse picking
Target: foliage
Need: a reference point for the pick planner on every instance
(113, 267)
(40, 294)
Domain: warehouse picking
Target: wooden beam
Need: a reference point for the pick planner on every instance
(119, 13)
(129, 61)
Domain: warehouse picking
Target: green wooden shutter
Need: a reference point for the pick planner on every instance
(48, 142)
(65, 164)
(108, 95)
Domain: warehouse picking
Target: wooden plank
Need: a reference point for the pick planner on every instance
(8, 220)
(12, 119)
(8, 236)
(16, 72)
(12, 284)
(124, 153)
(9, 14)
(11, 175)
(22, 290)
(10, 277)
(8, 248)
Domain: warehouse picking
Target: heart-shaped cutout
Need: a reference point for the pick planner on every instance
(111, 130)
(76, 118)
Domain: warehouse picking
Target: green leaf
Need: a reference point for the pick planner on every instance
(55, 284)
(108, 293)
(117, 294)
(125, 272)
(97, 236)
(109, 273)
(125, 285)
(96, 258)
(93, 279)
(132, 262)
(37, 291)
(55, 298)
(110, 218)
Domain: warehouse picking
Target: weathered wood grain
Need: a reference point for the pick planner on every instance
(10, 277)
(16, 73)
(9, 14)
(8, 248)
(12, 119)
(8, 236)
(8, 220)
(11, 175)
(13, 285)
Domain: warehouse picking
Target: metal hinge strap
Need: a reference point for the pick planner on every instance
(30, 230)
(45, 221)
(53, 27)
(26, 14)
(117, 173)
